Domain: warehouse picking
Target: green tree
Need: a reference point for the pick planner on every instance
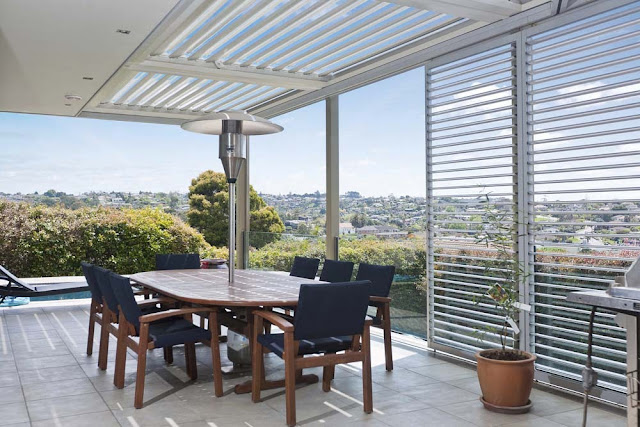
(359, 220)
(209, 209)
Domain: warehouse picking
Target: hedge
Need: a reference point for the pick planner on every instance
(38, 241)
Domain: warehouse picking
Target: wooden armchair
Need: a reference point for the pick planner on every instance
(381, 278)
(329, 319)
(155, 330)
(106, 313)
(95, 312)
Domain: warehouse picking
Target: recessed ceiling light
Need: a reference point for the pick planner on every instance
(73, 97)
(87, 78)
(121, 31)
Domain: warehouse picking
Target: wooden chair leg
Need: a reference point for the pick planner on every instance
(387, 338)
(190, 360)
(327, 376)
(142, 365)
(290, 378)
(214, 328)
(92, 327)
(366, 371)
(187, 359)
(121, 353)
(103, 351)
(267, 326)
(168, 355)
(257, 363)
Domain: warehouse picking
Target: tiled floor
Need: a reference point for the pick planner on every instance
(46, 379)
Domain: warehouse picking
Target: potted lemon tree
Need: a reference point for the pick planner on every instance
(505, 373)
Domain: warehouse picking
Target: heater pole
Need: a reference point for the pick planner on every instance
(232, 230)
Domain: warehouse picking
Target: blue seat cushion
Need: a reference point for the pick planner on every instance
(176, 331)
(275, 343)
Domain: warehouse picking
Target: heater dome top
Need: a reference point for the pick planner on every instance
(211, 124)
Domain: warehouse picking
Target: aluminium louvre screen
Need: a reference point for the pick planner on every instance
(471, 144)
(584, 133)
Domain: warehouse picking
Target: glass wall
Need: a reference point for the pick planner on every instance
(382, 186)
(287, 170)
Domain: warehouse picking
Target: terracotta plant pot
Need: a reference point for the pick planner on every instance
(505, 384)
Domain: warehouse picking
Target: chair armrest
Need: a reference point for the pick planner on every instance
(274, 319)
(154, 301)
(380, 299)
(142, 292)
(153, 317)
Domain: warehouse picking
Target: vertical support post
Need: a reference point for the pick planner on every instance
(243, 212)
(232, 230)
(333, 176)
(429, 207)
(524, 202)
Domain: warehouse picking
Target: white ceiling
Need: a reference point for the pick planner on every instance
(47, 47)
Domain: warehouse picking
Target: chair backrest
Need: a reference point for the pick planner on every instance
(336, 271)
(329, 310)
(89, 274)
(124, 295)
(177, 261)
(380, 276)
(102, 278)
(13, 280)
(307, 268)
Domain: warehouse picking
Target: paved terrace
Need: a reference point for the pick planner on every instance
(46, 379)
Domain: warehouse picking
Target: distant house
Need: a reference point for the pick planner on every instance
(346, 228)
(381, 231)
(618, 218)
(368, 229)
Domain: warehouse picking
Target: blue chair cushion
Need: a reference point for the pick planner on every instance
(307, 268)
(176, 331)
(177, 261)
(275, 343)
(336, 271)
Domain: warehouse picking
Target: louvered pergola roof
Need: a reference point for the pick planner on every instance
(268, 56)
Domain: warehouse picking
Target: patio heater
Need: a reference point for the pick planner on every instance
(233, 127)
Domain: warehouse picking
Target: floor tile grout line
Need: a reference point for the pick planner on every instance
(24, 397)
(86, 376)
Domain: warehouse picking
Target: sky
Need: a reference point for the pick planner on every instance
(77, 155)
(382, 136)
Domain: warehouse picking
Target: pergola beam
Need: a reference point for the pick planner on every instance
(212, 71)
(478, 10)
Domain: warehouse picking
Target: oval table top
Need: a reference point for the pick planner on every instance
(251, 288)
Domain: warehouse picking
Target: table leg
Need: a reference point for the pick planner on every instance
(215, 353)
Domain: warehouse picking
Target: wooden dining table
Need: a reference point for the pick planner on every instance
(235, 300)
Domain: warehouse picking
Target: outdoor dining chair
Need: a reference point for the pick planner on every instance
(110, 312)
(381, 277)
(330, 318)
(95, 312)
(336, 271)
(177, 261)
(303, 267)
(160, 329)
